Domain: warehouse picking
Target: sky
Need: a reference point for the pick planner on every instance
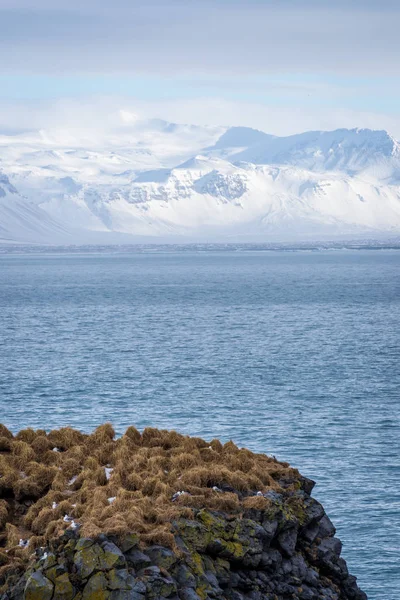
(283, 66)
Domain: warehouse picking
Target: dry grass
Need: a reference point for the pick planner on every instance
(44, 477)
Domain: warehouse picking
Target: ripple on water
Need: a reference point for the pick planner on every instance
(292, 354)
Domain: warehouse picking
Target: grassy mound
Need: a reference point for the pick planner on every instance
(52, 481)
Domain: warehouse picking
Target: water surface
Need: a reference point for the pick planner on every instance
(294, 354)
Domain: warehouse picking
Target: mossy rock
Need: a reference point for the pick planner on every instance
(111, 557)
(195, 534)
(120, 579)
(38, 587)
(233, 551)
(160, 588)
(87, 560)
(96, 588)
(48, 562)
(55, 572)
(127, 542)
(213, 523)
(162, 557)
(184, 576)
(63, 588)
(83, 543)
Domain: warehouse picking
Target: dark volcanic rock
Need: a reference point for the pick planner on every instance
(285, 552)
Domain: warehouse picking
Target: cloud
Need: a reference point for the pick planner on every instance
(219, 36)
(91, 121)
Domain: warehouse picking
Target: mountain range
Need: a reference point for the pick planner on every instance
(151, 180)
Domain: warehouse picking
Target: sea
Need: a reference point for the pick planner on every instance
(291, 352)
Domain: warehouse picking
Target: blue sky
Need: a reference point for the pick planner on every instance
(323, 63)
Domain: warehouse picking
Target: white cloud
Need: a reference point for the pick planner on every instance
(92, 119)
(270, 118)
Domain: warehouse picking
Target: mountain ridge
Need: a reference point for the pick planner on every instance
(166, 179)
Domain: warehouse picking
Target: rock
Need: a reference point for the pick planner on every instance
(310, 532)
(307, 485)
(189, 594)
(127, 541)
(314, 511)
(237, 596)
(120, 579)
(96, 588)
(311, 577)
(286, 566)
(287, 541)
(112, 556)
(162, 557)
(49, 561)
(137, 559)
(222, 571)
(213, 581)
(326, 528)
(151, 571)
(233, 551)
(158, 587)
(83, 543)
(270, 528)
(271, 560)
(299, 566)
(38, 587)
(136, 590)
(126, 595)
(87, 559)
(195, 534)
(139, 587)
(185, 577)
(352, 590)
(54, 572)
(63, 588)
(285, 550)
(329, 547)
(306, 593)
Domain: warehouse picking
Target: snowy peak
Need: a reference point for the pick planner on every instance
(346, 150)
(242, 136)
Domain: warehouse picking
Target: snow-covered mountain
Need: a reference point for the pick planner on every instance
(161, 181)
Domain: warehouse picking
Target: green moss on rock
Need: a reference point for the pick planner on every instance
(63, 588)
(96, 588)
(87, 560)
(38, 587)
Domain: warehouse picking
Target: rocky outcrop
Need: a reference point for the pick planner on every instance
(281, 546)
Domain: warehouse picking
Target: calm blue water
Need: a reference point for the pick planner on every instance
(294, 354)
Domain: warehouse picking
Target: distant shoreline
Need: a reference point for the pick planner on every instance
(15, 248)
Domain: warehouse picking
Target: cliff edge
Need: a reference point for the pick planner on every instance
(159, 515)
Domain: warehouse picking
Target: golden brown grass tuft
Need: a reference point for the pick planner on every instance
(23, 453)
(36, 541)
(26, 435)
(5, 444)
(40, 445)
(46, 516)
(9, 476)
(65, 438)
(123, 485)
(3, 513)
(12, 535)
(4, 432)
(27, 489)
(257, 502)
(133, 435)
